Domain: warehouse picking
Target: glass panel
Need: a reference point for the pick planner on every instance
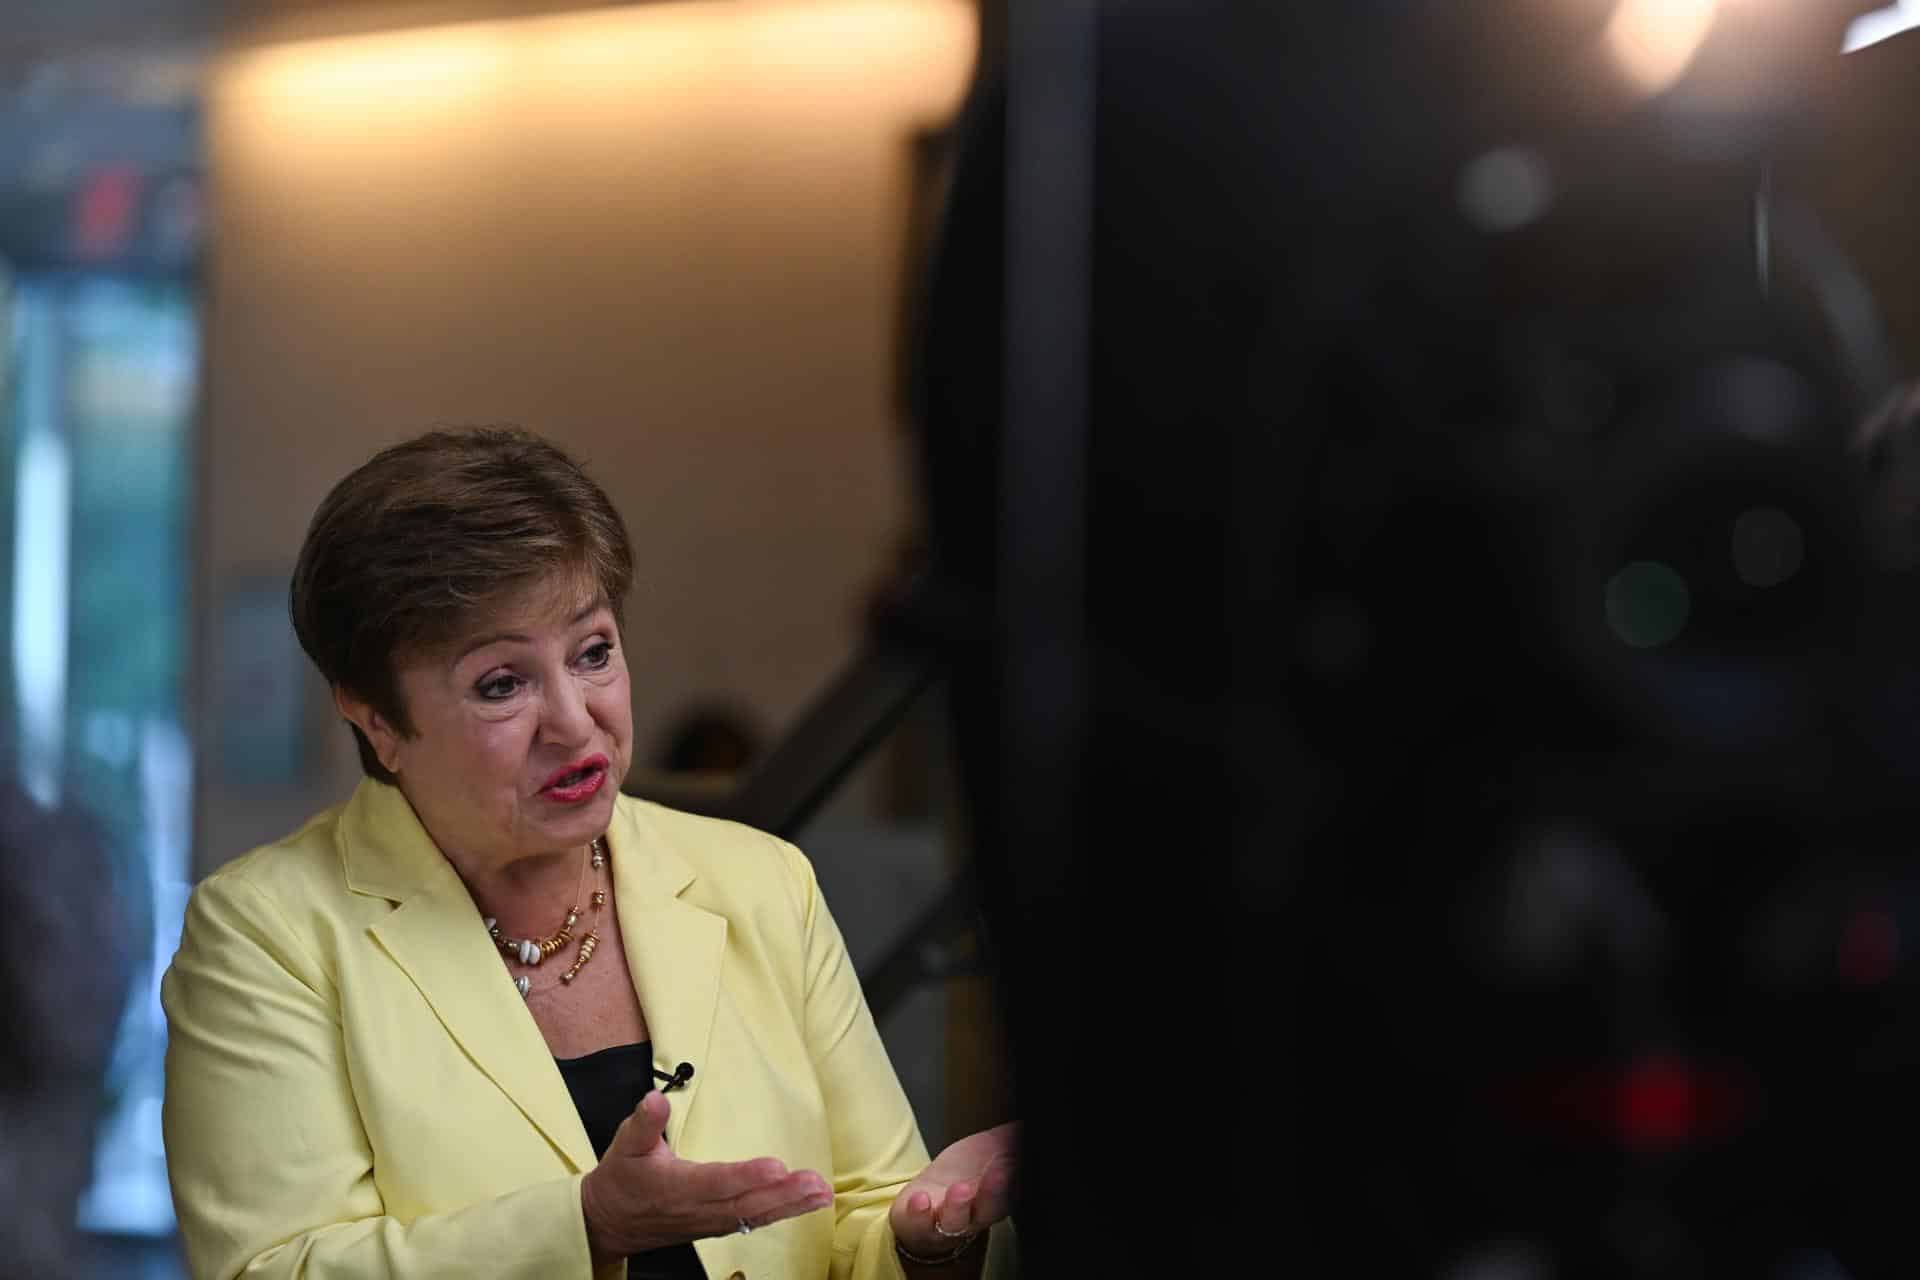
(97, 483)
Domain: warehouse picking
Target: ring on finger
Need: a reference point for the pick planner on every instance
(951, 1235)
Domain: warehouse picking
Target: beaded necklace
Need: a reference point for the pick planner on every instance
(527, 952)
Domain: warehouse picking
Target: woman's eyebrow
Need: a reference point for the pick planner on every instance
(496, 638)
(519, 637)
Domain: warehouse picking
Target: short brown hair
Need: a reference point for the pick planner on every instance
(407, 550)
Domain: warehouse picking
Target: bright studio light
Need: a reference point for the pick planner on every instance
(1652, 42)
(1881, 24)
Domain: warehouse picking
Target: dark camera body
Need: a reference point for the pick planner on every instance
(1479, 846)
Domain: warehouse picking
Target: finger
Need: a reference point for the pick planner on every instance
(721, 1183)
(912, 1217)
(913, 1221)
(955, 1215)
(995, 1200)
(793, 1195)
(644, 1129)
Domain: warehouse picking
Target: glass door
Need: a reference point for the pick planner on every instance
(96, 478)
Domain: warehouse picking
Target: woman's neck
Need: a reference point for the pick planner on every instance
(527, 895)
(523, 893)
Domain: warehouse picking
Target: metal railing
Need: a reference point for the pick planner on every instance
(850, 718)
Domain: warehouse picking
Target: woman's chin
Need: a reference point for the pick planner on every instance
(576, 812)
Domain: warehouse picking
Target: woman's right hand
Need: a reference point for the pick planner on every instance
(642, 1196)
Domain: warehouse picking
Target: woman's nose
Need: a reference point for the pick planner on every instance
(568, 719)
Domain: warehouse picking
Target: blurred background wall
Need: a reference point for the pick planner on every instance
(669, 236)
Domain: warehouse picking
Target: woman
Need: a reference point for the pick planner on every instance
(419, 1036)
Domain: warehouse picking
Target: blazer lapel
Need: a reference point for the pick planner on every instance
(674, 951)
(435, 936)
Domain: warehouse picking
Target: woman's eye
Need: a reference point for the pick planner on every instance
(597, 656)
(498, 688)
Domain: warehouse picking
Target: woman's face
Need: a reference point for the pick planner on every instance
(522, 732)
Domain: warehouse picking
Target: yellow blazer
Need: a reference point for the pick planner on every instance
(354, 1087)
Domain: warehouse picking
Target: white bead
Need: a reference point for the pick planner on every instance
(524, 983)
(529, 952)
(489, 922)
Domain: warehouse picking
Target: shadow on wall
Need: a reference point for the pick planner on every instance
(709, 737)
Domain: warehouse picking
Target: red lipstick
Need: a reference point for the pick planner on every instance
(573, 783)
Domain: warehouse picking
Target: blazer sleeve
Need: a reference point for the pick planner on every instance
(877, 1148)
(271, 1169)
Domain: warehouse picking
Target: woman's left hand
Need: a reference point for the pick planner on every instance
(965, 1189)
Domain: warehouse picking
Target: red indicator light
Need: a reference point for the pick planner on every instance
(1653, 1102)
(105, 212)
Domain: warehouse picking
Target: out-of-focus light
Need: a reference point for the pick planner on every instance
(1652, 42)
(1502, 1260)
(42, 521)
(1869, 949)
(798, 48)
(1881, 24)
(409, 68)
(104, 213)
(1661, 1102)
(1653, 1102)
(1505, 189)
(1647, 604)
(1768, 547)
(1763, 399)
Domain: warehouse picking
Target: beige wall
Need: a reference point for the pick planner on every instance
(666, 235)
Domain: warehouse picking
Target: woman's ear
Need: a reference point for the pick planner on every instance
(378, 730)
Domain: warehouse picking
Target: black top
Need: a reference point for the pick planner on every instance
(606, 1087)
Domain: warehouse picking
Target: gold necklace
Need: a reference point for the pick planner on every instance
(530, 953)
